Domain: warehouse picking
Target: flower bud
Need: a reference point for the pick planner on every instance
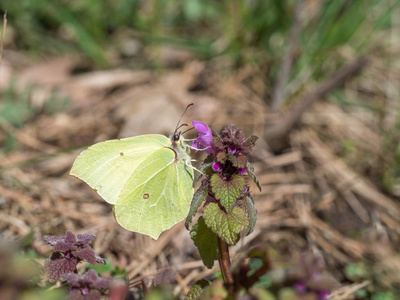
(217, 167)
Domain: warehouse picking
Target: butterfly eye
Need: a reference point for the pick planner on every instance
(176, 136)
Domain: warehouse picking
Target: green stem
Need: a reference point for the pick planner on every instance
(225, 262)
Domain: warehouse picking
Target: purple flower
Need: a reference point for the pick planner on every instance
(323, 295)
(242, 171)
(232, 150)
(300, 287)
(204, 140)
(217, 167)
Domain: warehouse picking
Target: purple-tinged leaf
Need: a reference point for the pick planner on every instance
(100, 260)
(198, 198)
(84, 239)
(206, 241)
(87, 254)
(57, 265)
(72, 278)
(227, 192)
(226, 226)
(53, 240)
(79, 295)
(239, 161)
(249, 144)
(90, 276)
(64, 246)
(70, 250)
(87, 284)
(250, 171)
(70, 237)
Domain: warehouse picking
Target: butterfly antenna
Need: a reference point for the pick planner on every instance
(180, 126)
(177, 125)
(187, 130)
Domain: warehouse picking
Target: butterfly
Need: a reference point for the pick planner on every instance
(148, 179)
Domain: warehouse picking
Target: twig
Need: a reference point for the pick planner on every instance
(3, 35)
(281, 130)
(346, 292)
(279, 93)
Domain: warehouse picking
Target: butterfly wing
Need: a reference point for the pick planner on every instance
(107, 166)
(158, 194)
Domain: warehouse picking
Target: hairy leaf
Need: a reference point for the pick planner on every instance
(226, 226)
(198, 198)
(90, 278)
(251, 212)
(70, 237)
(250, 143)
(250, 171)
(206, 241)
(84, 239)
(64, 246)
(216, 291)
(87, 254)
(196, 290)
(53, 240)
(58, 265)
(227, 191)
(78, 295)
(69, 251)
(239, 161)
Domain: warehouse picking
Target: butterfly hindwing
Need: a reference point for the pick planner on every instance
(158, 194)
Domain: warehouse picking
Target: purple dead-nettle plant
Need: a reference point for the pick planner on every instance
(87, 286)
(309, 275)
(229, 208)
(69, 250)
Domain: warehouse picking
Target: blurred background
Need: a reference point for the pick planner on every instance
(316, 80)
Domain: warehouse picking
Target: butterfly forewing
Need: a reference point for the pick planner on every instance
(107, 166)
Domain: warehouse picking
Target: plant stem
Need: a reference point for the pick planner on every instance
(224, 262)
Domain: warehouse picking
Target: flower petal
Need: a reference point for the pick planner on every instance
(201, 127)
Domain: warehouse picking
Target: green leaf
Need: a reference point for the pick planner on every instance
(198, 198)
(206, 241)
(216, 291)
(250, 171)
(197, 289)
(287, 294)
(261, 293)
(251, 212)
(226, 226)
(227, 191)
(356, 272)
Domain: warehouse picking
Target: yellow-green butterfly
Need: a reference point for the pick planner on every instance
(147, 178)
